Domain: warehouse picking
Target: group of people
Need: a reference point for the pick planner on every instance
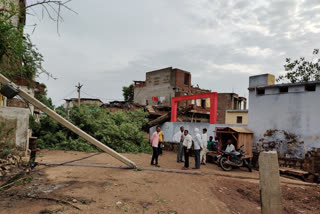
(198, 143)
(186, 143)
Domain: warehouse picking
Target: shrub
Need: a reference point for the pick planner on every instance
(120, 130)
(6, 142)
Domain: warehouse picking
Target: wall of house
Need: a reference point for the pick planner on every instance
(159, 83)
(231, 117)
(170, 129)
(20, 118)
(225, 102)
(15, 19)
(168, 82)
(295, 112)
(19, 103)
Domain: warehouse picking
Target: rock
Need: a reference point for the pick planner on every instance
(6, 167)
(118, 203)
(74, 201)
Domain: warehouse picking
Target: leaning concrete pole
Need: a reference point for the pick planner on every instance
(68, 125)
(270, 192)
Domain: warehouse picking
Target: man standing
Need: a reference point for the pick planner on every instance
(154, 142)
(211, 144)
(161, 142)
(203, 153)
(197, 148)
(178, 138)
(230, 146)
(187, 143)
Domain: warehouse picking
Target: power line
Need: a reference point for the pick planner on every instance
(65, 96)
(100, 97)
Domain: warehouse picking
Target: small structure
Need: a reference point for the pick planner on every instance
(241, 136)
(92, 101)
(236, 117)
(291, 108)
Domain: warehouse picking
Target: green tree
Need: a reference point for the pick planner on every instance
(128, 93)
(19, 58)
(301, 70)
(119, 130)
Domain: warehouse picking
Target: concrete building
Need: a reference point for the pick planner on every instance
(284, 117)
(92, 101)
(161, 85)
(236, 117)
(231, 101)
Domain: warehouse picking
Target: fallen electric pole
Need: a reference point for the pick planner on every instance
(66, 123)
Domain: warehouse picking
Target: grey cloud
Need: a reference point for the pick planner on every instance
(111, 43)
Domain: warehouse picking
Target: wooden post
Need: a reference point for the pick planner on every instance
(270, 191)
(68, 125)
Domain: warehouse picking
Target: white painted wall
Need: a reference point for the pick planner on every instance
(296, 111)
(22, 117)
(170, 128)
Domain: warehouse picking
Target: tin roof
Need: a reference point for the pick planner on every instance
(239, 130)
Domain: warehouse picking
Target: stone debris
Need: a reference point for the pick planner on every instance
(9, 163)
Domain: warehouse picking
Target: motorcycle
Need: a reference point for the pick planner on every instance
(228, 160)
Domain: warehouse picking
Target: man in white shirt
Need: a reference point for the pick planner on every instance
(187, 143)
(178, 138)
(197, 148)
(203, 153)
(230, 146)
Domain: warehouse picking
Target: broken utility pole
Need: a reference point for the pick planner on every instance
(78, 90)
(270, 192)
(27, 97)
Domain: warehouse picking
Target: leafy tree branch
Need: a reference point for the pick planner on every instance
(302, 70)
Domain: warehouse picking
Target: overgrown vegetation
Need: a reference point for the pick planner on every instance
(119, 130)
(302, 70)
(19, 58)
(6, 142)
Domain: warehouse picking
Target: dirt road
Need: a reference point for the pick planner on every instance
(75, 189)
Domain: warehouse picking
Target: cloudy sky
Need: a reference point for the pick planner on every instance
(110, 43)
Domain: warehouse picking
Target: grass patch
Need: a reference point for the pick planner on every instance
(161, 200)
(138, 169)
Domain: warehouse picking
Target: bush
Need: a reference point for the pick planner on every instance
(6, 142)
(120, 130)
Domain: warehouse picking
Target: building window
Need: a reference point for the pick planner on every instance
(260, 91)
(186, 78)
(239, 119)
(283, 89)
(310, 88)
(203, 103)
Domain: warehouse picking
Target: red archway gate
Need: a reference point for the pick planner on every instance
(213, 105)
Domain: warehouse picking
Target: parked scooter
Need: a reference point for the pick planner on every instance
(228, 160)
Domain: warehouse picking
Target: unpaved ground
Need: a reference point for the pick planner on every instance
(63, 189)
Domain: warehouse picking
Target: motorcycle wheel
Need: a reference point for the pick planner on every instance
(223, 166)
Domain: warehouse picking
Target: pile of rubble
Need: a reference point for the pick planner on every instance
(9, 164)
